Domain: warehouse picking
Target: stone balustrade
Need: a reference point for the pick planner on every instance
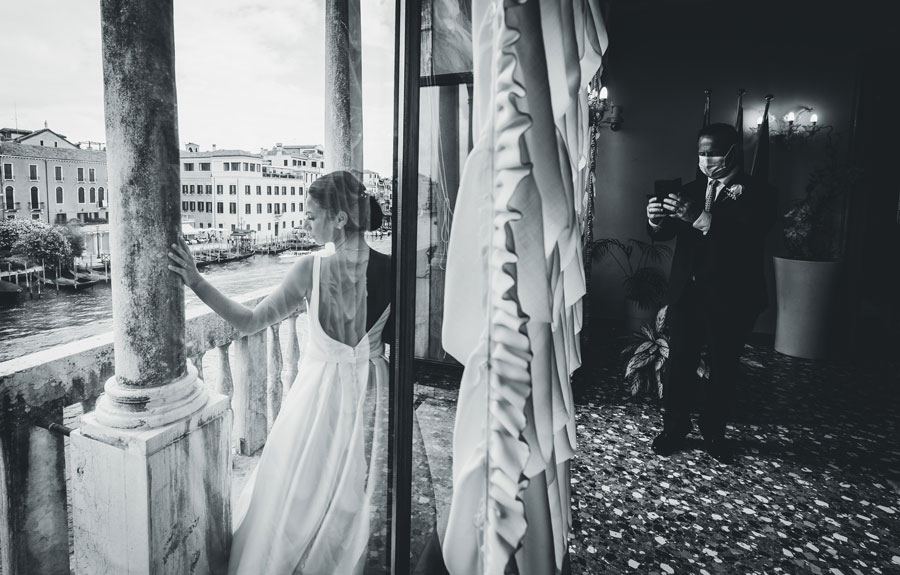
(36, 388)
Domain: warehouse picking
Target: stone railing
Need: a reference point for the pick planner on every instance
(35, 389)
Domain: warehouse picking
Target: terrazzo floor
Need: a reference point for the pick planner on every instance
(815, 487)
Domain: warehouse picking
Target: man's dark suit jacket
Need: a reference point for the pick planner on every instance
(732, 256)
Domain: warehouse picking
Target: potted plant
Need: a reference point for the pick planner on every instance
(645, 283)
(647, 355)
(807, 276)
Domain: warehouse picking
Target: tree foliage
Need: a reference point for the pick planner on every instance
(38, 241)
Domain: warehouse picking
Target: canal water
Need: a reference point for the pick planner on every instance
(33, 325)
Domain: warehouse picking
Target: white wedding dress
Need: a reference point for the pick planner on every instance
(308, 508)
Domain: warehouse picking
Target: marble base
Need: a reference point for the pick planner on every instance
(153, 501)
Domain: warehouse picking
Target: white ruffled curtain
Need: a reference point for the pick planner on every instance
(515, 280)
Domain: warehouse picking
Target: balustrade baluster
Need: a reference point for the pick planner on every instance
(293, 352)
(34, 533)
(249, 401)
(274, 367)
(197, 360)
(224, 379)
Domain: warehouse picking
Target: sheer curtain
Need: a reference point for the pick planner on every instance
(515, 281)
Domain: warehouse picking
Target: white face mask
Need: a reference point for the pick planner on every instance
(717, 166)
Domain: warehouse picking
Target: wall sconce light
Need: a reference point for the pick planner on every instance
(602, 111)
(791, 129)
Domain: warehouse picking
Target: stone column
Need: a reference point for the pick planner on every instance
(152, 480)
(343, 90)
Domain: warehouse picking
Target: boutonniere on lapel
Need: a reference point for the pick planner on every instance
(734, 191)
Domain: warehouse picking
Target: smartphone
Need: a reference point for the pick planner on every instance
(662, 188)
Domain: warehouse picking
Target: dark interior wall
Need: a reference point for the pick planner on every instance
(661, 58)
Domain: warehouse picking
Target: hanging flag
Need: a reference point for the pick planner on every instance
(700, 175)
(739, 128)
(761, 157)
(706, 108)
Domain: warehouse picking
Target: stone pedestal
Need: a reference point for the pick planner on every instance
(153, 501)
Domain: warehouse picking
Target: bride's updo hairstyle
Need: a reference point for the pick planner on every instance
(342, 192)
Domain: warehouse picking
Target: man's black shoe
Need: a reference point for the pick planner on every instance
(667, 443)
(720, 449)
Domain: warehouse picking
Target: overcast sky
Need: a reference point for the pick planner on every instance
(249, 73)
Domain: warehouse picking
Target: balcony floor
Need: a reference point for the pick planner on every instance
(815, 487)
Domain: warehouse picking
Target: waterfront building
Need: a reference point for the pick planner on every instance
(46, 177)
(230, 190)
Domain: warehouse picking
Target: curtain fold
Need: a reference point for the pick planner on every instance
(515, 281)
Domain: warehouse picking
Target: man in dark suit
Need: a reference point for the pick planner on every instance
(716, 288)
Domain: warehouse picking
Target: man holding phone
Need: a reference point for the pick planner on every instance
(717, 284)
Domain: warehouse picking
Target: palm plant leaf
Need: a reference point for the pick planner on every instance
(663, 347)
(661, 318)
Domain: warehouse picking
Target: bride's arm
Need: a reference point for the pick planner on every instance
(276, 306)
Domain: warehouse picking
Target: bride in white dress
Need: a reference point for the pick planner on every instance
(310, 505)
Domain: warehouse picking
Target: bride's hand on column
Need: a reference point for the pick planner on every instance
(181, 261)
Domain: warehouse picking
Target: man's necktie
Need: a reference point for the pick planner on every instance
(710, 194)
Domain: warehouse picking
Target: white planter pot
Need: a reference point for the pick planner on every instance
(807, 297)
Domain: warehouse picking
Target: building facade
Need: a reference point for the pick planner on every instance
(46, 177)
(229, 190)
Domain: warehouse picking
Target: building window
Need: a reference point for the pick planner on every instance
(314, 164)
(285, 162)
(200, 208)
(247, 190)
(184, 206)
(192, 206)
(235, 166)
(293, 191)
(252, 167)
(7, 171)
(191, 189)
(270, 226)
(301, 206)
(209, 207)
(35, 199)
(232, 189)
(220, 207)
(220, 226)
(246, 168)
(268, 190)
(102, 197)
(32, 172)
(226, 166)
(57, 170)
(259, 227)
(10, 198)
(219, 189)
(284, 207)
(301, 190)
(258, 189)
(247, 209)
(204, 166)
(93, 195)
(258, 207)
(276, 190)
(91, 175)
(232, 207)
(232, 227)
(184, 189)
(59, 195)
(188, 167)
(80, 195)
(60, 219)
(209, 189)
(268, 208)
(80, 174)
(293, 207)
(36, 216)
